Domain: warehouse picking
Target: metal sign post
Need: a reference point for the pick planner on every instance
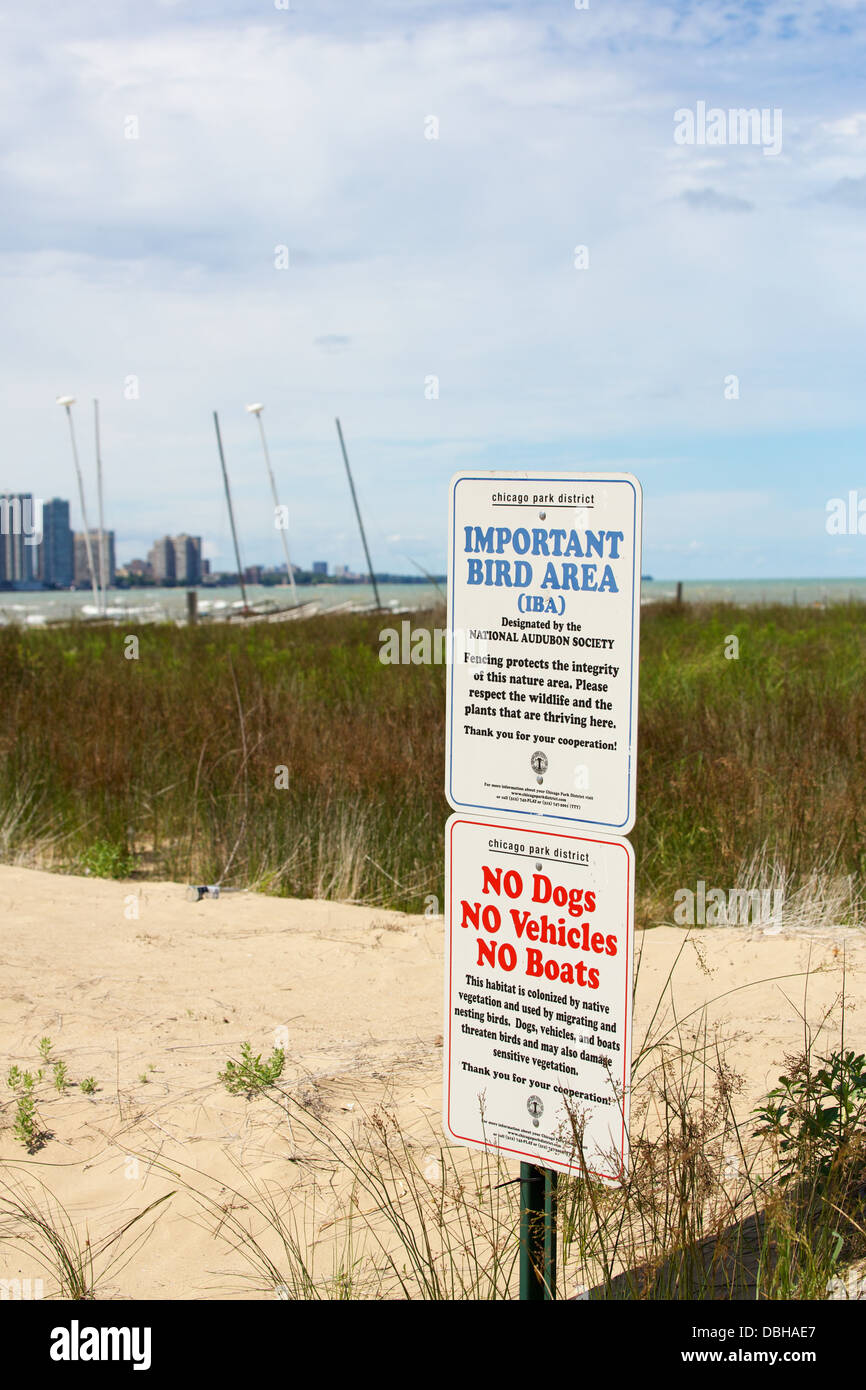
(537, 1233)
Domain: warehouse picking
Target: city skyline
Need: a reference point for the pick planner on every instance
(38, 544)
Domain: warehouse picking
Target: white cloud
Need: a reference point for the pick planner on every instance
(411, 257)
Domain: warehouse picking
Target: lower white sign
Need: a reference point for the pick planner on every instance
(538, 993)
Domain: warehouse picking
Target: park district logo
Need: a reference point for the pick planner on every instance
(538, 762)
(77, 1343)
(536, 1110)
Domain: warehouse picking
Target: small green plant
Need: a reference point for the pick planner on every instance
(61, 1076)
(251, 1074)
(25, 1127)
(103, 859)
(88, 1085)
(45, 1048)
(815, 1116)
(18, 1080)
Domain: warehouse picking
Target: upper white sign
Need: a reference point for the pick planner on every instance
(543, 618)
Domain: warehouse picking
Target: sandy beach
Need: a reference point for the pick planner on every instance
(150, 995)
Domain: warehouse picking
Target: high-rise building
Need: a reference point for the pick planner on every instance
(176, 560)
(320, 567)
(187, 559)
(20, 535)
(161, 558)
(56, 552)
(81, 567)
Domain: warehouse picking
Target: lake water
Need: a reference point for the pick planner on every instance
(161, 605)
(806, 592)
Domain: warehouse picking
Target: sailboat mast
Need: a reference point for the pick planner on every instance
(358, 515)
(231, 509)
(290, 573)
(103, 573)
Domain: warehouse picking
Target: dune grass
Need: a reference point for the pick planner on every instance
(719, 1201)
(172, 764)
(288, 758)
(716, 1203)
(35, 1223)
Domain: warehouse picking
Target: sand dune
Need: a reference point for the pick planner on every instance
(131, 981)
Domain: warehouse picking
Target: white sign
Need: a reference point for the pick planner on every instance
(543, 616)
(538, 985)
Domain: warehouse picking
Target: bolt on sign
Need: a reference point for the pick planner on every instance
(544, 604)
(538, 993)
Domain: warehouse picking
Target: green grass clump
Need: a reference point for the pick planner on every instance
(34, 1222)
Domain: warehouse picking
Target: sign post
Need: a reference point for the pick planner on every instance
(537, 1233)
(544, 600)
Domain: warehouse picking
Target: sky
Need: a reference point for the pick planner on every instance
(372, 211)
